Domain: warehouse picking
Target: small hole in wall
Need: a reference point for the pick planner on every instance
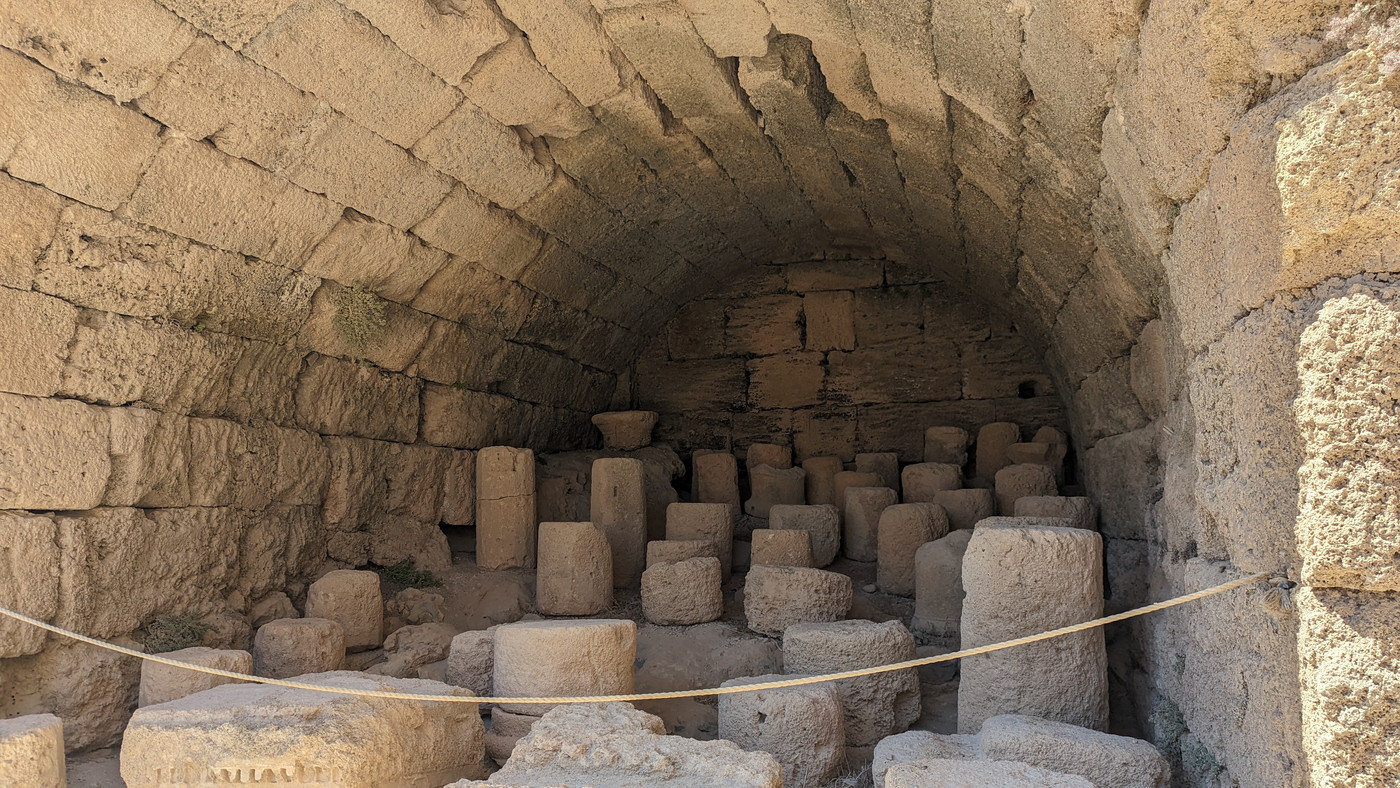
(1026, 390)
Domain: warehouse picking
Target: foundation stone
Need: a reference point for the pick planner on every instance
(31, 752)
(505, 508)
(619, 509)
(710, 522)
(822, 522)
(563, 658)
(682, 593)
(575, 576)
(1018, 481)
(781, 547)
(903, 529)
(161, 683)
(291, 647)
(864, 505)
(771, 486)
(802, 727)
(351, 599)
(777, 597)
(874, 706)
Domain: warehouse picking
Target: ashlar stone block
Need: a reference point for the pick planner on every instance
(770, 454)
(681, 593)
(864, 505)
(771, 486)
(922, 480)
(350, 598)
(903, 529)
(505, 508)
(776, 547)
(29, 562)
(802, 727)
(53, 454)
(821, 522)
(290, 647)
(619, 509)
(1018, 481)
(966, 507)
(946, 444)
(711, 522)
(563, 658)
(1077, 508)
(821, 479)
(31, 751)
(778, 597)
(938, 587)
(874, 706)
(161, 683)
(574, 576)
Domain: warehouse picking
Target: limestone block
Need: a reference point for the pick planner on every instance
(512, 87)
(947, 445)
(161, 683)
(30, 214)
(568, 39)
(447, 42)
(1050, 455)
(778, 597)
(53, 454)
(619, 509)
(31, 751)
(29, 561)
(562, 658)
(505, 508)
(864, 505)
(575, 576)
(681, 593)
(874, 706)
(459, 490)
(496, 165)
(625, 430)
(938, 586)
(233, 24)
(830, 322)
(884, 464)
(470, 660)
(505, 731)
(772, 486)
(614, 744)
(787, 380)
(770, 454)
(821, 479)
(960, 773)
(711, 522)
(378, 257)
(922, 480)
(715, 479)
(1079, 509)
(864, 376)
(802, 727)
(844, 480)
(781, 547)
(1018, 481)
(1021, 580)
(411, 647)
(36, 331)
(290, 647)
(249, 728)
(822, 523)
(967, 507)
(912, 746)
(903, 529)
(1148, 370)
(350, 598)
(270, 608)
(992, 441)
(666, 551)
(1101, 758)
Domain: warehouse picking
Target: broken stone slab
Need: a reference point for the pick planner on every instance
(946, 445)
(665, 551)
(884, 464)
(470, 660)
(821, 521)
(31, 752)
(710, 522)
(924, 479)
(351, 599)
(562, 659)
(913, 746)
(625, 430)
(776, 547)
(1018, 481)
(682, 593)
(291, 647)
(874, 706)
(821, 479)
(966, 507)
(771, 486)
(938, 587)
(992, 441)
(574, 576)
(1101, 758)
(903, 529)
(802, 727)
(1077, 508)
(618, 507)
(864, 505)
(716, 479)
(777, 597)
(961, 773)
(505, 508)
(161, 683)
(243, 733)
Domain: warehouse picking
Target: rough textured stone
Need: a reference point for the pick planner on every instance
(922, 480)
(992, 441)
(31, 751)
(161, 683)
(822, 523)
(903, 529)
(1018, 481)
(505, 508)
(715, 479)
(874, 706)
(625, 430)
(947, 445)
(860, 526)
(774, 486)
(962, 773)
(29, 556)
(802, 727)
(663, 551)
(821, 479)
(778, 597)
(711, 522)
(574, 575)
(470, 660)
(1101, 758)
(777, 547)
(938, 586)
(351, 599)
(1077, 508)
(53, 454)
(844, 480)
(619, 510)
(557, 658)
(966, 508)
(682, 593)
(913, 746)
(291, 647)
(884, 464)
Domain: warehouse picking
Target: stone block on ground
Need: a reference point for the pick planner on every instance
(864, 505)
(845, 480)
(884, 464)
(351, 599)
(562, 658)
(821, 521)
(471, 660)
(1051, 455)
(913, 746)
(948, 773)
(992, 441)
(938, 587)
(946, 445)
(770, 454)
(618, 507)
(574, 575)
(875, 706)
(771, 486)
(923, 479)
(802, 727)
(31, 752)
(711, 522)
(666, 551)
(291, 647)
(781, 547)
(414, 646)
(966, 507)
(1101, 758)
(715, 479)
(821, 479)
(504, 732)
(414, 606)
(903, 529)
(682, 593)
(29, 561)
(1018, 481)
(625, 430)
(1077, 508)
(160, 683)
(301, 735)
(505, 508)
(777, 597)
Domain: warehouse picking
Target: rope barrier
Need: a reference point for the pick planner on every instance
(642, 696)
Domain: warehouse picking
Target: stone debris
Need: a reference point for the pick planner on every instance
(351, 599)
(821, 479)
(291, 647)
(412, 647)
(777, 597)
(626, 430)
(682, 593)
(821, 521)
(161, 683)
(777, 547)
(575, 576)
(967, 507)
(924, 479)
(562, 658)
(414, 606)
(802, 727)
(884, 464)
(845, 480)
(1079, 509)
(31, 752)
(770, 454)
(913, 746)
(992, 442)
(875, 706)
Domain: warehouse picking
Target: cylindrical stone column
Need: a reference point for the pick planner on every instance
(715, 479)
(619, 508)
(31, 752)
(1022, 580)
(562, 659)
(904, 528)
(773, 486)
(821, 479)
(922, 480)
(864, 505)
(505, 508)
(575, 576)
(938, 587)
(708, 521)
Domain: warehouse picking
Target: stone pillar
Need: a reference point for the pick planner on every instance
(682, 593)
(350, 598)
(922, 480)
(715, 479)
(864, 505)
(770, 454)
(31, 752)
(1022, 580)
(800, 726)
(992, 441)
(946, 444)
(884, 464)
(505, 508)
(967, 507)
(575, 575)
(776, 547)
(904, 528)
(562, 658)
(770, 486)
(160, 683)
(874, 706)
(938, 587)
(706, 521)
(619, 509)
(822, 522)
(821, 479)
(1079, 509)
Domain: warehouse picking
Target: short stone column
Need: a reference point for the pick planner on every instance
(618, 507)
(350, 598)
(845, 480)
(904, 528)
(666, 551)
(1022, 580)
(966, 507)
(160, 682)
(770, 454)
(1078, 509)
(777, 597)
(780, 547)
(821, 479)
(710, 522)
(575, 576)
(992, 441)
(715, 479)
(470, 660)
(884, 464)
(771, 486)
(947, 445)
(1018, 481)
(625, 430)
(562, 659)
(923, 480)
(801, 726)
(31, 752)
(875, 706)
(291, 647)
(505, 508)
(682, 593)
(938, 587)
(822, 522)
(864, 505)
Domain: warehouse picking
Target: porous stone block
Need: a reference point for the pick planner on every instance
(715, 479)
(459, 490)
(904, 528)
(29, 562)
(913, 746)
(351, 599)
(874, 706)
(575, 576)
(1018, 481)
(822, 522)
(821, 479)
(505, 508)
(619, 508)
(55, 454)
(160, 683)
(966, 507)
(963, 773)
(291, 647)
(922, 480)
(1077, 508)
(470, 660)
(830, 321)
(780, 547)
(1051, 455)
(36, 329)
(710, 522)
(681, 593)
(1100, 758)
(666, 551)
(777, 597)
(770, 454)
(946, 445)
(884, 464)
(938, 587)
(298, 735)
(770, 486)
(1022, 580)
(505, 730)
(626, 430)
(864, 505)
(562, 658)
(845, 480)
(802, 727)
(992, 441)
(31, 751)
(415, 646)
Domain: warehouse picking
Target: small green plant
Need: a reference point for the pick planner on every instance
(169, 632)
(359, 317)
(405, 574)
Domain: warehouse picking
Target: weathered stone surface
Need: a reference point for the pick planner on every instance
(496, 165)
(291, 647)
(53, 454)
(774, 486)
(559, 658)
(31, 751)
(1101, 758)
(802, 727)
(512, 87)
(1079, 509)
(778, 597)
(351, 599)
(777, 547)
(682, 593)
(992, 441)
(882, 464)
(938, 586)
(821, 479)
(36, 329)
(922, 480)
(844, 480)
(715, 479)
(625, 430)
(967, 507)
(574, 575)
(30, 216)
(619, 510)
(1017, 481)
(912, 746)
(459, 490)
(505, 508)
(711, 522)
(161, 683)
(412, 647)
(665, 551)
(968, 773)
(448, 43)
(874, 706)
(822, 523)
(947, 445)
(860, 526)
(903, 529)
(29, 558)
(830, 322)
(470, 660)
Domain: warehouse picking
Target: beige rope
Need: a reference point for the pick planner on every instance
(767, 685)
